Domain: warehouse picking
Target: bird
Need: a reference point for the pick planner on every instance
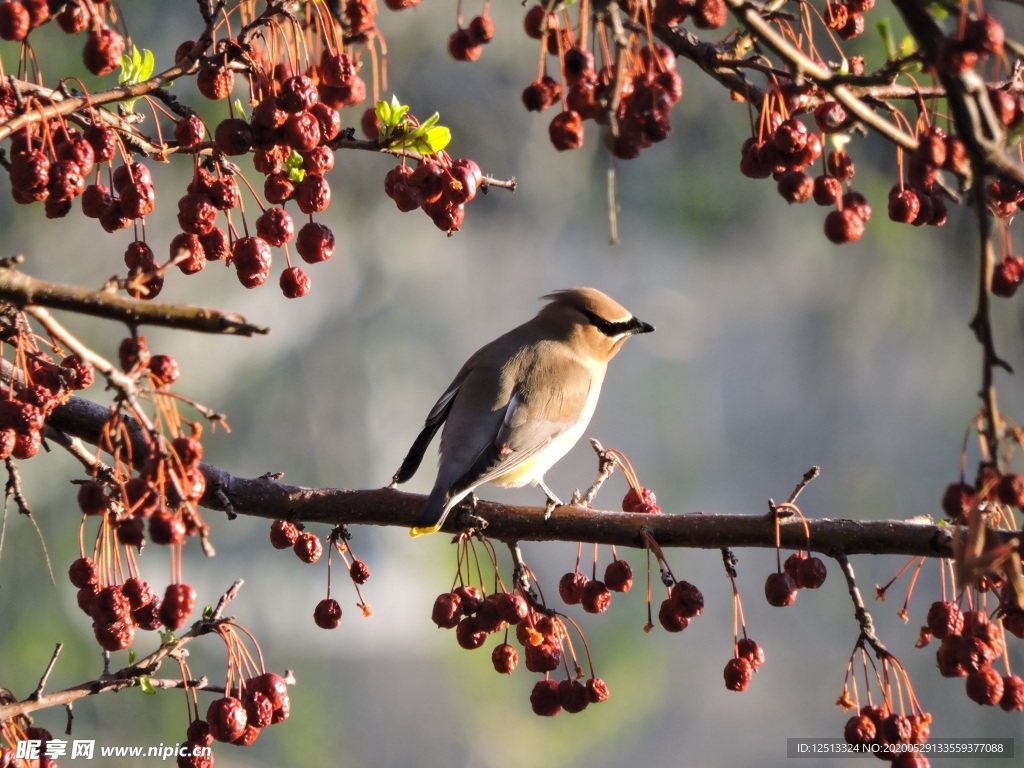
(521, 402)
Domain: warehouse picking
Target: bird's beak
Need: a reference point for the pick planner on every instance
(639, 326)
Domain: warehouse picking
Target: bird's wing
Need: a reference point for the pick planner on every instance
(536, 415)
(433, 422)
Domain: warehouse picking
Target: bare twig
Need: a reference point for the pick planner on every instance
(867, 624)
(127, 677)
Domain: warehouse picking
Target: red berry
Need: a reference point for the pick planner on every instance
(737, 674)
(82, 572)
(315, 242)
(566, 131)
(572, 695)
(294, 283)
(313, 193)
(308, 547)
(283, 534)
(570, 587)
(14, 22)
(780, 589)
(471, 598)
(844, 226)
(102, 52)
(251, 257)
(468, 634)
(327, 613)
(751, 651)
(985, 686)
(447, 610)
(671, 617)
(226, 718)
(687, 599)
(359, 572)
(505, 659)
(596, 597)
(618, 576)
(178, 602)
(275, 226)
(544, 698)
(811, 573)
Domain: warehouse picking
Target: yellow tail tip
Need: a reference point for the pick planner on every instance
(414, 532)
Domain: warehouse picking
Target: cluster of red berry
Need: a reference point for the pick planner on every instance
(439, 186)
(747, 658)
(800, 571)
(285, 534)
(888, 734)
(633, 105)
(103, 45)
(262, 701)
(970, 643)
(118, 609)
(44, 385)
(593, 594)
(474, 615)
(466, 43)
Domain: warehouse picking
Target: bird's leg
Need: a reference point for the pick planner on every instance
(553, 501)
(470, 520)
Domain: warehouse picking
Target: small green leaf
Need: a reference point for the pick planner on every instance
(884, 27)
(384, 113)
(146, 684)
(240, 109)
(208, 612)
(437, 138)
(131, 656)
(429, 123)
(166, 636)
(148, 65)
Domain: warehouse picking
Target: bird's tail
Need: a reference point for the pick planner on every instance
(432, 513)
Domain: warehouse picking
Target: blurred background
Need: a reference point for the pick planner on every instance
(775, 351)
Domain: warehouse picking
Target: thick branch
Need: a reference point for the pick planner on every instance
(267, 498)
(21, 290)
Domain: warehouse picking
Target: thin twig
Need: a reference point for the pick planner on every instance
(867, 624)
(34, 696)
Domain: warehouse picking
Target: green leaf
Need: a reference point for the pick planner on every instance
(884, 27)
(146, 684)
(148, 65)
(437, 138)
(131, 656)
(384, 113)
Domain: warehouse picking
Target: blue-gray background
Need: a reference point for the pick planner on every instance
(775, 350)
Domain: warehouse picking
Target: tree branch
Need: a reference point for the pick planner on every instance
(267, 498)
(127, 677)
(21, 290)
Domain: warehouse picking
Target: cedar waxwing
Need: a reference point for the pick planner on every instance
(521, 402)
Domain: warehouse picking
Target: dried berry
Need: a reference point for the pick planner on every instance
(226, 718)
(985, 686)
(315, 242)
(687, 598)
(283, 534)
(82, 572)
(544, 698)
(595, 597)
(294, 282)
(780, 589)
(102, 52)
(618, 576)
(468, 634)
(447, 610)
(178, 602)
(737, 674)
(308, 547)
(671, 617)
(505, 659)
(811, 573)
(944, 619)
(327, 613)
